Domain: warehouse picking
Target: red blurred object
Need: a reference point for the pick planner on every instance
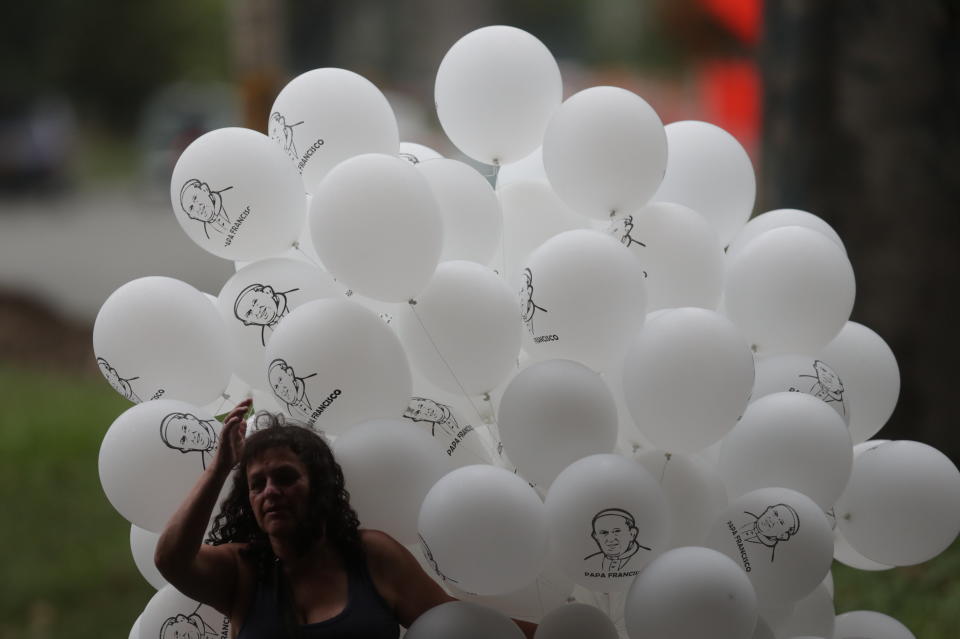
(740, 17)
(730, 98)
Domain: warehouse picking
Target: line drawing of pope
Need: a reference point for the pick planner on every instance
(188, 434)
(282, 133)
(201, 203)
(422, 409)
(119, 384)
(190, 626)
(614, 530)
(828, 385)
(260, 305)
(776, 524)
(528, 307)
(289, 388)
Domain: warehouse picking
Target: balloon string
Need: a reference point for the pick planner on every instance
(413, 308)
(296, 246)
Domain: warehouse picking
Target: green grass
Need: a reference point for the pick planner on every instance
(66, 568)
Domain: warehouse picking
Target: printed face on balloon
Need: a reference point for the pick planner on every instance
(260, 305)
(776, 524)
(205, 205)
(189, 434)
(614, 531)
(119, 384)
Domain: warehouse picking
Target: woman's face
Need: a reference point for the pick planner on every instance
(279, 489)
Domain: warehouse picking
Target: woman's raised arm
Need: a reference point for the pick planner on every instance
(205, 573)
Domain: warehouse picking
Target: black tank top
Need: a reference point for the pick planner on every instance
(366, 615)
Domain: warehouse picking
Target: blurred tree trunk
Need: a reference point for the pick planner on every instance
(862, 127)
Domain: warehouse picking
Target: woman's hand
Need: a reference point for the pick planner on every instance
(231, 437)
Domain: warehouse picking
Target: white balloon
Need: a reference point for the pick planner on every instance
(152, 455)
(496, 89)
(483, 529)
(848, 555)
(452, 429)
(135, 630)
(790, 290)
(802, 374)
(582, 295)
(389, 465)
(694, 492)
(709, 171)
(325, 116)
(469, 207)
(383, 242)
(553, 413)
(527, 169)
(812, 616)
(333, 363)
(777, 218)
(867, 624)
(159, 337)
(417, 153)
(576, 621)
(172, 614)
(608, 518)
(463, 333)
(687, 377)
(791, 440)
(870, 371)
(681, 255)
(257, 298)
(605, 152)
(902, 504)
(532, 214)
(143, 543)
(464, 620)
(694, 593)
(780, 538)
(236, 196)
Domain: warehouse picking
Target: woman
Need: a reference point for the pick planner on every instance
(287, 557)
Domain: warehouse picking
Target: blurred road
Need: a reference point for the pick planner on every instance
(72, 251)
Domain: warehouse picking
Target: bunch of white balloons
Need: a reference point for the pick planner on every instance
(671, 423)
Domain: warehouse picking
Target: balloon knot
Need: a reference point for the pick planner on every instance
(412, 302)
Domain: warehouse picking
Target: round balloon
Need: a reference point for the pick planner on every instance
(687, 376)
(902, 504)
(532, 214)
(576, 621)
(870, 370)
(860, 624)
(791, 440)
(802, 374)
(553, 413)
(236, 196)
(608, 518)
(464, 620)
(694, 493)
(159, 337)
(780, 538)
(790, 290)
(325, 116)
(709, 171)
(171, 614)
(694, 593)
(549, 591)
(605, 152)
(681, 255)
(469, 207)
(152, 455)
(257, 298)
(382, 242)
(483, 529)
(777, 218)
(496, 89)
(463, 333)
(143, 543)
(332, 363)
(389, 465)
(582, 295)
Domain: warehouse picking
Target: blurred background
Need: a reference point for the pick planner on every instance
(849, 110)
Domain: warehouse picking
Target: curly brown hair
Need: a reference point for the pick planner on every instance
(329, 512)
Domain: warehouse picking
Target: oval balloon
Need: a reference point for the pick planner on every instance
(605, 152)
(382, 242)
(464, 620)
(709, 171)
(802, 374)
(496, 89)
(236, 196)
(333, 363)
(325, 116)
(159, 337)
(776, 219)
